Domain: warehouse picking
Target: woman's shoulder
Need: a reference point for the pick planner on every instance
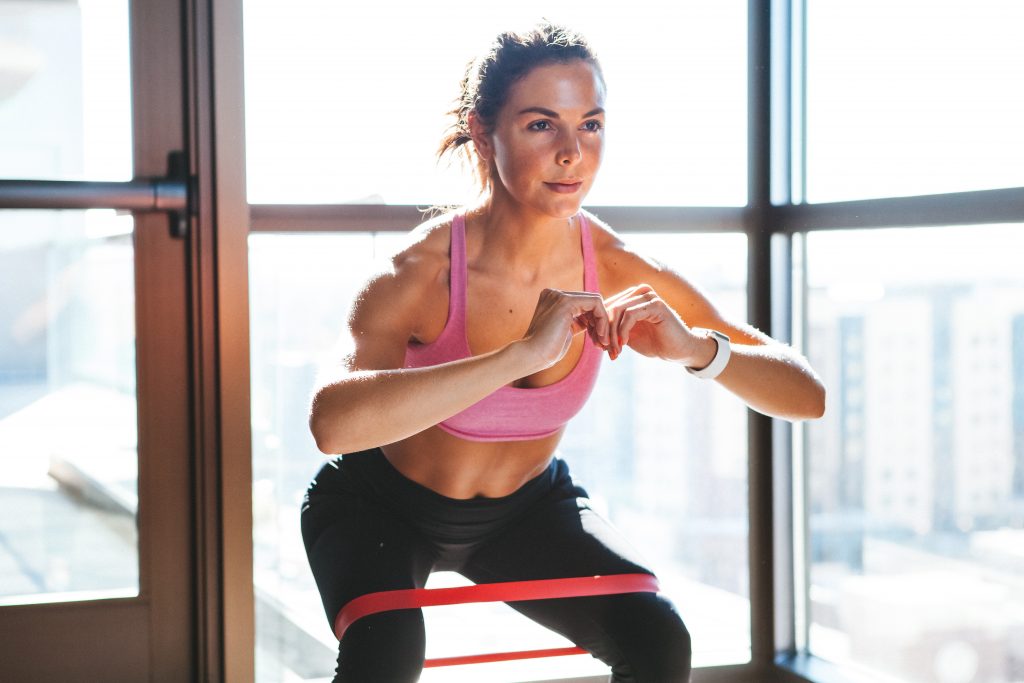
(617, 260)
(405, 281)
(420, 258)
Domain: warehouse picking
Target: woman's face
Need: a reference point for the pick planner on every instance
(548, 138)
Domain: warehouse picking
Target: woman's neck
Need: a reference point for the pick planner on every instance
(511, 234)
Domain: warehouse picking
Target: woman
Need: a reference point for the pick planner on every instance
(468, 355)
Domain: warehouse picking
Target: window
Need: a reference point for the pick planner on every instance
(68, 429)
(65, 110)
(68, 418)
(913, 98)
(914, 542)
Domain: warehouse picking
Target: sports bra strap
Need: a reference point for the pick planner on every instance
(458, 275)
(589, 258)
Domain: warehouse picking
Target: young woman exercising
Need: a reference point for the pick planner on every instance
(470, 353)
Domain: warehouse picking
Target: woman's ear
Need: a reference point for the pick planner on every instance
(481, 138)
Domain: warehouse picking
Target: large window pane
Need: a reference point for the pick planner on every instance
(917, 472)
(68, 490)
(345, 101)
(913, 97)
(67, 328)
(65, 103)
(662, 454)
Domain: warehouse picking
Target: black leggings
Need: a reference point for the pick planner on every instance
(367, 528)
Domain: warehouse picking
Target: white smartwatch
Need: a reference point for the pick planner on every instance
(721, 359)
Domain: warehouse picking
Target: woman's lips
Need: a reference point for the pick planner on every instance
(565, 188)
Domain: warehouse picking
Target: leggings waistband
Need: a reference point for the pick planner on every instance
(443, 518)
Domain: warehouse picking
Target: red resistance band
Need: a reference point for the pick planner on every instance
(509, 591)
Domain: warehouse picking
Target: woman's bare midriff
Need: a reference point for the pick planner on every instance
(462, 469)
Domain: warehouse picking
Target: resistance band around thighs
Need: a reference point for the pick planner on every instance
(509, 591)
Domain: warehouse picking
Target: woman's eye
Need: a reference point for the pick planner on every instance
(540, 125)
(593, 126)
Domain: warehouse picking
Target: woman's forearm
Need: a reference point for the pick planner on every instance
(371, 408)
(775, 381)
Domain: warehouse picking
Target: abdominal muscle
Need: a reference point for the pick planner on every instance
(457, 468)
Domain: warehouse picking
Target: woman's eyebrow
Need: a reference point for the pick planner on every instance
(554, 115)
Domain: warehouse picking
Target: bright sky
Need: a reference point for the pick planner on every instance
(871, 260)
(345, 101)
(106, 90)
(912, 97)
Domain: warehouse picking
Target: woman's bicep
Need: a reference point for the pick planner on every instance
(375, 335)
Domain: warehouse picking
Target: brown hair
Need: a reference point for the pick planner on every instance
(489, 78)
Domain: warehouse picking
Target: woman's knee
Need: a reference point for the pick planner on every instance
(673, 661)
(387, 646)
(653, 642)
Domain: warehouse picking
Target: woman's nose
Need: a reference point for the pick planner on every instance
(569, 153)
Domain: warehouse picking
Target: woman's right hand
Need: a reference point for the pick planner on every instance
(558, 317)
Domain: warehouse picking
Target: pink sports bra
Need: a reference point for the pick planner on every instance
(510, 413)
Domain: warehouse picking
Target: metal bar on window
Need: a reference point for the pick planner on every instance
(799, 497)
(759, 302)
(958, 208)
(169, 193)
(786, 169)
(154, 194)
(797, 96)
(399, 218)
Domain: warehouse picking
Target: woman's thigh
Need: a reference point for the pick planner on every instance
(639, 635)
(355, 547)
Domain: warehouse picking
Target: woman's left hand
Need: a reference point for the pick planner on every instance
(641, 320)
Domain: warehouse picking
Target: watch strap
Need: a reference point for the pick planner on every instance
(721, 359)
